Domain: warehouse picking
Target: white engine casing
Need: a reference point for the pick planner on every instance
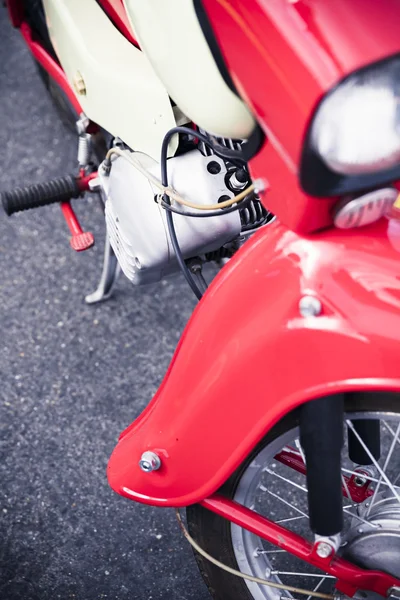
(171, 36)
(137, 226)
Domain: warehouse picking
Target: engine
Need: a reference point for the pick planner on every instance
(136, 222)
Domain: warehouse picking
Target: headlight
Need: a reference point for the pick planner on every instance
(353, 142)
(356, 129)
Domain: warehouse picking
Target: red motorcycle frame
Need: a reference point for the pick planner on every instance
(249, 319)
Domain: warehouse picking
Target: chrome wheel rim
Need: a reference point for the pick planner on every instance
(277, 492)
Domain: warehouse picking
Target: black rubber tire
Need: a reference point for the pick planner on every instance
(212, 532)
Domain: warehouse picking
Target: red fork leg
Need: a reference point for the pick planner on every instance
(350, 577)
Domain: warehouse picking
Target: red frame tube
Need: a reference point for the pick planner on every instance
(50, 65)
(15, 11)
(350, 577)
(358, 493)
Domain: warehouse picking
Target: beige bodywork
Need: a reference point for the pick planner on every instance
(123, 93)
(127, 91)
(170, 34)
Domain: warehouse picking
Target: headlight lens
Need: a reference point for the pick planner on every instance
(356, 129)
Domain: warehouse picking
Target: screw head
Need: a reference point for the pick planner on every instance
(149, 462)
(310, 306)
(324, 549)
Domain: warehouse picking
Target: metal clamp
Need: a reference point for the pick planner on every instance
(326, 547)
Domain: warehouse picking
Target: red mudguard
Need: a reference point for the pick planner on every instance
(247, 356)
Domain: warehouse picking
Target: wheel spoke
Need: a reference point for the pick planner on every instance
(385, 466)
(386, 424)
(316, 575)
(318, 586)
(292, 519)
(264, 489)
(373, 525)
(373, 460)
(300, 449)
(346, 487)
(270, 552)
(294, 484)
(369, 477)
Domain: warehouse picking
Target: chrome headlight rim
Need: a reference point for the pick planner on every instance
(316, 177)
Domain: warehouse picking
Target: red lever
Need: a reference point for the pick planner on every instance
(80, 240)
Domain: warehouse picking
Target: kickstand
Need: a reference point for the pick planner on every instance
(109, 276)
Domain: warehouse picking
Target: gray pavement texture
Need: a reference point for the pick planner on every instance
(72, 377)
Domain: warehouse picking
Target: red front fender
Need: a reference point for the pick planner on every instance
(247, 357)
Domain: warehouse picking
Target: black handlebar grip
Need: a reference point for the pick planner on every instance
(40, 194)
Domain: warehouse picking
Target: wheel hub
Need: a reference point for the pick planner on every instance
(375, 544)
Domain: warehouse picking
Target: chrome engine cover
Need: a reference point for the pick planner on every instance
(375, 543)
(137, 226)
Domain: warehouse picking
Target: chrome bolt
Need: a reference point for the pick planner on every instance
(324, 549)
(359, 481)
(310, 306)
(149, 462)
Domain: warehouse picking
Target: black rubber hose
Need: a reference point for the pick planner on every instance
(170, 221)
(321, 436)
(40, 194)
(233, 156)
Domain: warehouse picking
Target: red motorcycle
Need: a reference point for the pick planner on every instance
(278, 422)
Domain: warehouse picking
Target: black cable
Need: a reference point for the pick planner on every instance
(233, 156)
(181, 261)
(202, 283)
(170, 222)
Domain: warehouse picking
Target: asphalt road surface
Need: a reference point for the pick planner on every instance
(72, 377)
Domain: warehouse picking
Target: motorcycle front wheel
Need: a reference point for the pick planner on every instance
(276, 491)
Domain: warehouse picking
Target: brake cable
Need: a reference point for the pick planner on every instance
(279, 586)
